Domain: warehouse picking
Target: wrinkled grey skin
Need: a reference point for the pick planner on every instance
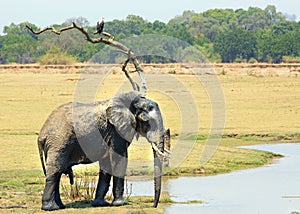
(77, 133)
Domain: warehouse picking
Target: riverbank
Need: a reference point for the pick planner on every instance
(268, 189)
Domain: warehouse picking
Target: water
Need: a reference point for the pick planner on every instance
(274, 188)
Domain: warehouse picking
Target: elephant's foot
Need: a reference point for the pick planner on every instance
(61, 206)
(100, 203)
(50, 206)
(58, 201)
(119, 202)
(118, 190)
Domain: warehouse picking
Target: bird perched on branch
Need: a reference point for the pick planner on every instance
(100, 26)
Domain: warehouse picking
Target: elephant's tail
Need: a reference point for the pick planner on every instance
(41, 149)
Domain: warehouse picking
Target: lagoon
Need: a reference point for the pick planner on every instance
(274, 188)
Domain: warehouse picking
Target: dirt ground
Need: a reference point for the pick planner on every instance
(257, 69)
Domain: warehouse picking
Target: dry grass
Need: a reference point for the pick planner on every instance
(258, 109)
(262, 105)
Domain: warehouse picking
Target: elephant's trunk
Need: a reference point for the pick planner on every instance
(158, 159)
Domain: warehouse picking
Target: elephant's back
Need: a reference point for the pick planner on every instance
(59, 119)
(85, 117)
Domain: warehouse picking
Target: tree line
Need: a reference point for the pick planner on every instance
(218, 35)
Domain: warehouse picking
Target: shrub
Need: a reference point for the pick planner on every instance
(56, 56)
(252, 60)
(290, 59)
(240, 60)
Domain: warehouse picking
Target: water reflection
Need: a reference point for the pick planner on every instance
(274, 188)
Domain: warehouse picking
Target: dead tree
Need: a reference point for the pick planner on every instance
(142, 88)
(131, 58)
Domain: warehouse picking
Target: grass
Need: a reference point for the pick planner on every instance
(258, 110)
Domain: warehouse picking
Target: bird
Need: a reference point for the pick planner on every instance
(100, 26)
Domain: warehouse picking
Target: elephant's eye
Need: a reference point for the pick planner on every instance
(150, 108)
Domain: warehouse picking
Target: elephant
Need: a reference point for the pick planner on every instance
(79, 133)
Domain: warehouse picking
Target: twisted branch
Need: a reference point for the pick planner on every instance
(111, 42)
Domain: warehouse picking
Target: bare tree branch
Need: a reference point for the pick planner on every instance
(111, 42)
(58, 32)
(134, 85)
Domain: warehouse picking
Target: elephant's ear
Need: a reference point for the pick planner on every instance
(119, 115)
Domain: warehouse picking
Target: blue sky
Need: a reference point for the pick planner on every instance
(44, 13)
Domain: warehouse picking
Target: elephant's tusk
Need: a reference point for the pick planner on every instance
(167, 151)
(158, 151)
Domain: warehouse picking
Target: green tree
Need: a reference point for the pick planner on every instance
(285, 45)
(252, 19)
(262, 34)
(274, 45)
(236, 43)
(273, 16)
(185, 17)
(284, 27)
(135, 24)
(179, 31)
(70, 41)
(211, 23)
(18, 45)
(264, 45)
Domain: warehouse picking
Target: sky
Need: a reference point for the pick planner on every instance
(45, 13)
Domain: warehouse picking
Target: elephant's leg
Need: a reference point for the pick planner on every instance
(57, 195)
(49, 199)
(118, 190)
(102, 188)
(119, 160)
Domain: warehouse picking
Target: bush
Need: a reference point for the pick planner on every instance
(240, 60)
(55, 56)
(290, 59)
(252, 60)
